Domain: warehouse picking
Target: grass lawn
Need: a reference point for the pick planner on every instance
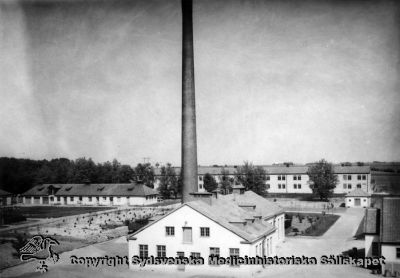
(53, 212)
(318, 223)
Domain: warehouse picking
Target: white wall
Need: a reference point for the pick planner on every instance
(364, 202)
(185, 216)
(389, 252)
(365, 184)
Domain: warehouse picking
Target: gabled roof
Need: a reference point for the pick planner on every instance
(390, 220)
(5, 193)
(263, 207)
(371, 225)
(117, 189)
(358, 193)
(229, 215)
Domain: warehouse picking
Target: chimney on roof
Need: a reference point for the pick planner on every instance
(189, 143)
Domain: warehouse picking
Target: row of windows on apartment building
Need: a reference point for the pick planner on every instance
(161, 251)
(187, 233)
(349, 186)
(359, 177)
(283, 186)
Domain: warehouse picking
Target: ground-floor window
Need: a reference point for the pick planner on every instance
(195, 255)
(161, 251)
(214, 251)
(398, 253)
(143, 250)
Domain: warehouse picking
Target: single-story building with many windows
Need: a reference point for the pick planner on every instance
(238, 224)
(358, 198)
(119, 194)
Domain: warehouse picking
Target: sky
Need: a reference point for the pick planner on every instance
(276, 81)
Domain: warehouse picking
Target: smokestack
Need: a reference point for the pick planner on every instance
(189, 144)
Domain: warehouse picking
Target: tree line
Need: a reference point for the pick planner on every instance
(19, 175)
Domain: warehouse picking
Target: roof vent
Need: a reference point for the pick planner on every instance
(68, 188)
(100, 188)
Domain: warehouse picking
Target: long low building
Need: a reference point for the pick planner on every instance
(291, 179)
(90, 194)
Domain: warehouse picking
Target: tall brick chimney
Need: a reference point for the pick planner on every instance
(189, 144)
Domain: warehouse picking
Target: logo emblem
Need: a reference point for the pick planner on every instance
(40, 248)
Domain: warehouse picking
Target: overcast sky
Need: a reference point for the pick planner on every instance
(275, 80)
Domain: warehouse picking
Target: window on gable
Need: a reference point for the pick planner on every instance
(169, 231)
(161, 251)
(204, 231)
(143, 250)
(187, 234)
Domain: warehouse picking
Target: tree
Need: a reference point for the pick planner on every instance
(145, 173)
(252, 178)
(226, 182)
(323, 179)
(168, 181)
(210, 183)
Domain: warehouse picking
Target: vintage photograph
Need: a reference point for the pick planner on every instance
(200, 138)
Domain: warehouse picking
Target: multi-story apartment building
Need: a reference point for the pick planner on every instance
(292, 179)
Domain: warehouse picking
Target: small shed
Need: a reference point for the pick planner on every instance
(358, 198)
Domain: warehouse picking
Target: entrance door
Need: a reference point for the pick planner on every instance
(111, 200)
(357, 202)
(45, 200)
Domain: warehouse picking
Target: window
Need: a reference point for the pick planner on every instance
(234, 252)
(359, 177)
(397, 253)
(58, 199)
(268, 178)
(279, 186)
(204, 231)
(267, 186)
(143, 250)
(359, 185)
(187, 234)
(161, 252)
(349, 177)
(200, 178)
(349, 186)
(299, 178)
(169, 231)
(345, 177)
(80, 198)
(295, 178)
(200, 186)
(90, 199)
(71, 199)
(104, 198)
(295, 186)
(283, 186)
(52, 199)
(180, 254)
(195, 255)
(364, 177)
(299, 186)
(214, 251)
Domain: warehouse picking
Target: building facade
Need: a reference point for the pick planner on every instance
(291, 179)
(358, 198)
(125, 194)
(238, 224)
